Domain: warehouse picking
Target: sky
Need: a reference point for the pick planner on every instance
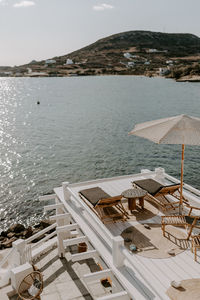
(41, 29)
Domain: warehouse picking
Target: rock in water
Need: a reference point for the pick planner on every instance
(45, 223)
(28, 232)
(17, 228)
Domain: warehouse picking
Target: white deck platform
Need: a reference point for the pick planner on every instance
(143, 278)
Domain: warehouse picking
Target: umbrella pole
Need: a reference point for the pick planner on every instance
(181, 188)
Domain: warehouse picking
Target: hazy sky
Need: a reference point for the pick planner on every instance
(39, 29)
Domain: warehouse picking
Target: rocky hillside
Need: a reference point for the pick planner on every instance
(178, 44)
(133, 52)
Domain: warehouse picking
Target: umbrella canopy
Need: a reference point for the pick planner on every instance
(182, 129)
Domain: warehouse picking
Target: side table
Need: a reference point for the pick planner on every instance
(132, 195)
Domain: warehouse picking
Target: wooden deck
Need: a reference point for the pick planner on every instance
(143, 278)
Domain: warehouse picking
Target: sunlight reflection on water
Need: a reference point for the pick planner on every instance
(80, 131)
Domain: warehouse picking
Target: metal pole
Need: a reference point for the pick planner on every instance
(181, 188)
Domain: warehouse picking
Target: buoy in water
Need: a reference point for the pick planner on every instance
(38, 102)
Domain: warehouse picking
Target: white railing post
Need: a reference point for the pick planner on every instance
(59, 210)
(160, 174)
(61, 248)
(19, 245)
(118, 257)
(65, 191)
(145, 171)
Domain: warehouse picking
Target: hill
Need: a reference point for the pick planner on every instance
(176, 43)
(133, 52)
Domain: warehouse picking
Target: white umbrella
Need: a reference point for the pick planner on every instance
(182, 129)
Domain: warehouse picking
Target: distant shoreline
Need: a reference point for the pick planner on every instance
(194, 78)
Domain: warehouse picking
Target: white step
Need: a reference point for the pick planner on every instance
(75, 241)
(47, 197)
(74, 233)
(67, 227)
(84, 255)
(40, 233)
(53, 206)
(117, 296)
(60, 217)
(97, 275)
(46, 246)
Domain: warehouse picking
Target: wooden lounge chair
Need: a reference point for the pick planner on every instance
(189, 222)
(195, 245)
(157, 193)
(107, 208)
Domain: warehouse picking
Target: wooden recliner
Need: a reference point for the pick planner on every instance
(107, 208)
(157, 193)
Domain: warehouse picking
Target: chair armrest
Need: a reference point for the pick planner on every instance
(193, 207)
(172, 203)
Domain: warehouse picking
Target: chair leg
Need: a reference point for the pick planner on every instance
(190, 231)
(163, 229)
(191, 227)
(192, 247)
(190, 211)
(195, 253)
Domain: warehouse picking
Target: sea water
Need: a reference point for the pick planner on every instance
(79, 131)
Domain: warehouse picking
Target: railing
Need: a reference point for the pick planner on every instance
(27, 256)
(185, 186)
(130, 258)
(98, 226)
(38, 234)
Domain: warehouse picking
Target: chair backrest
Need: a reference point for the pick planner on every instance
(27, 282)
(109, 201)
(170, 189)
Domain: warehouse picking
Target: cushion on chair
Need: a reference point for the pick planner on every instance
(93, 195)
(151, 185)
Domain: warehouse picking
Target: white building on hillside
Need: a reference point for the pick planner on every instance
(69, 61)
(127, 55)
(164, 71)
(131, 64)
(169, 62)
(29, 70)
(152, 50)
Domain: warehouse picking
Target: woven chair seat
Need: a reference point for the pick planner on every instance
(197, 240)
(174, 220)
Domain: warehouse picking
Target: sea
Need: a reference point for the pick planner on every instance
(79, 131)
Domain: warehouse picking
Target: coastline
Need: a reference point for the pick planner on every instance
(19, 231)
(189, 79)
(193, 79)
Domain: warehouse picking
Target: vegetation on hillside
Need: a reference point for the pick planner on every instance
(149, 53)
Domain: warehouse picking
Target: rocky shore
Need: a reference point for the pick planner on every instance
(189, 79)
(18, 231)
